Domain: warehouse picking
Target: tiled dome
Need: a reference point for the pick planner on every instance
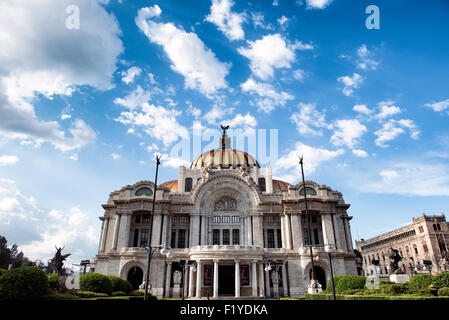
(225, 157)
(172, 185)
(279, 186)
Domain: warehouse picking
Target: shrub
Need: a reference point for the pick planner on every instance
(441, 280)
(137, 293)
(61, 296)
(53, 281)
(3, 271)
(353, 291)
(393, 289)
(118, 293)
(429, 291)
(90, 294)
(95, 282)
(23, 283)
(343, 283)
(443, 291)
(420, 281)
(119, 284)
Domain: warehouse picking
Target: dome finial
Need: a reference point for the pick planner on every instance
(225, 141)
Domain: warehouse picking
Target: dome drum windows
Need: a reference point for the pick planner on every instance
(144, 191)
(309, 191)
(188, 184)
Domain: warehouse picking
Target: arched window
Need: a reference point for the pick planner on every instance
(262, 185)
(438, 227)
(309, 191)
(188, 185)
(145, 191)
(434, 227)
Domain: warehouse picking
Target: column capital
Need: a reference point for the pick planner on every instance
(237, 260)
(216, 260)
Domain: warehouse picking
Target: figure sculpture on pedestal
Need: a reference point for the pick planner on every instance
(58, 261)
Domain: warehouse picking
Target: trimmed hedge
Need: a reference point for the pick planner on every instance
(370, 297)
(394, 289)
(95, 282)
(119, 284)
(441, 280)
(343, 283)
(3, 271)
(61, 296)
(443, 291)
(90, 294)
(420, 282)
(24, 283)
(118, 294)
(53, 281)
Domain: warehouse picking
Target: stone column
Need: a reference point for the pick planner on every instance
(194, 230)
(203, 230)
(168, 279)
(191, 282)
(267, 283)
(261, 282)
(116, 230)
(199, 275)
(283, 232)
(348, 234)
(105, 234)
(185, 282)
(249, 230)
(288, 231)
(254, 279)
(164, 230)
(125, 225)
(215, 278)
(237, 278)
(296, 231)
(258, 231)
(328, 233)
(284, 279)
(156, 233)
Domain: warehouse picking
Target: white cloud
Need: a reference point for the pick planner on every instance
(283, 21)
(40, 56)
(438, 106)
(362, 108)
(387, 109)
(241, 120)
(216, 113)
(228, 22)
(313, 157)
(172, 162)
(411, 178)
(392, 129)
(350, 83)
(259, 21)
(365, 61)
(157, 121)
(359, 153)
(135, 99)
(268, 97)
(266, 54)
(275, 3)
(347, 132)
(298, 74)
(308, 117)
(7, 160)
(318, 4)
(116, 156)
(129, 75)
(188, 54)
(74, 157)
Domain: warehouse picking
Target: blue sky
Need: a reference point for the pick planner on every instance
(84, 110)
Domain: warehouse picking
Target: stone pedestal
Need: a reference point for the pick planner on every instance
(275, 290)
(314, 287)
(176, 291)
(399, 278)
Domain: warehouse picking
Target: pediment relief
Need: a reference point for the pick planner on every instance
(225, 204)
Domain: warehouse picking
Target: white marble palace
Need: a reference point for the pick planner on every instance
(230, 220)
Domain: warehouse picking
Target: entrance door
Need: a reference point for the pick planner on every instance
(226, 280)
(135, 276)
(320, 276)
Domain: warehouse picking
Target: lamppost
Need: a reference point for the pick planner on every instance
(185, 264)
(274, 264)
(329, 250)
(150, 251)
(313, 284)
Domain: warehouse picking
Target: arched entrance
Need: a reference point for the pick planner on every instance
(320, 276)
(135, 276)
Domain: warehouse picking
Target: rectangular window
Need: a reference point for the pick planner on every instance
(146, 218)
(313, 219)
(181, 238)
(216, 219)
(226, 219)
(136, 238)
(270, 238)
(279, 236)
(306, 237)
(236, 236)
(226, 237)
(315, 235)
(244, 275)
(144, 238)
(215, 236)
(235, 219)
(173, 239)
(138, 218)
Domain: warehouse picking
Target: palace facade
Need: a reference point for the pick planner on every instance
(422, 245)
(230, 219)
